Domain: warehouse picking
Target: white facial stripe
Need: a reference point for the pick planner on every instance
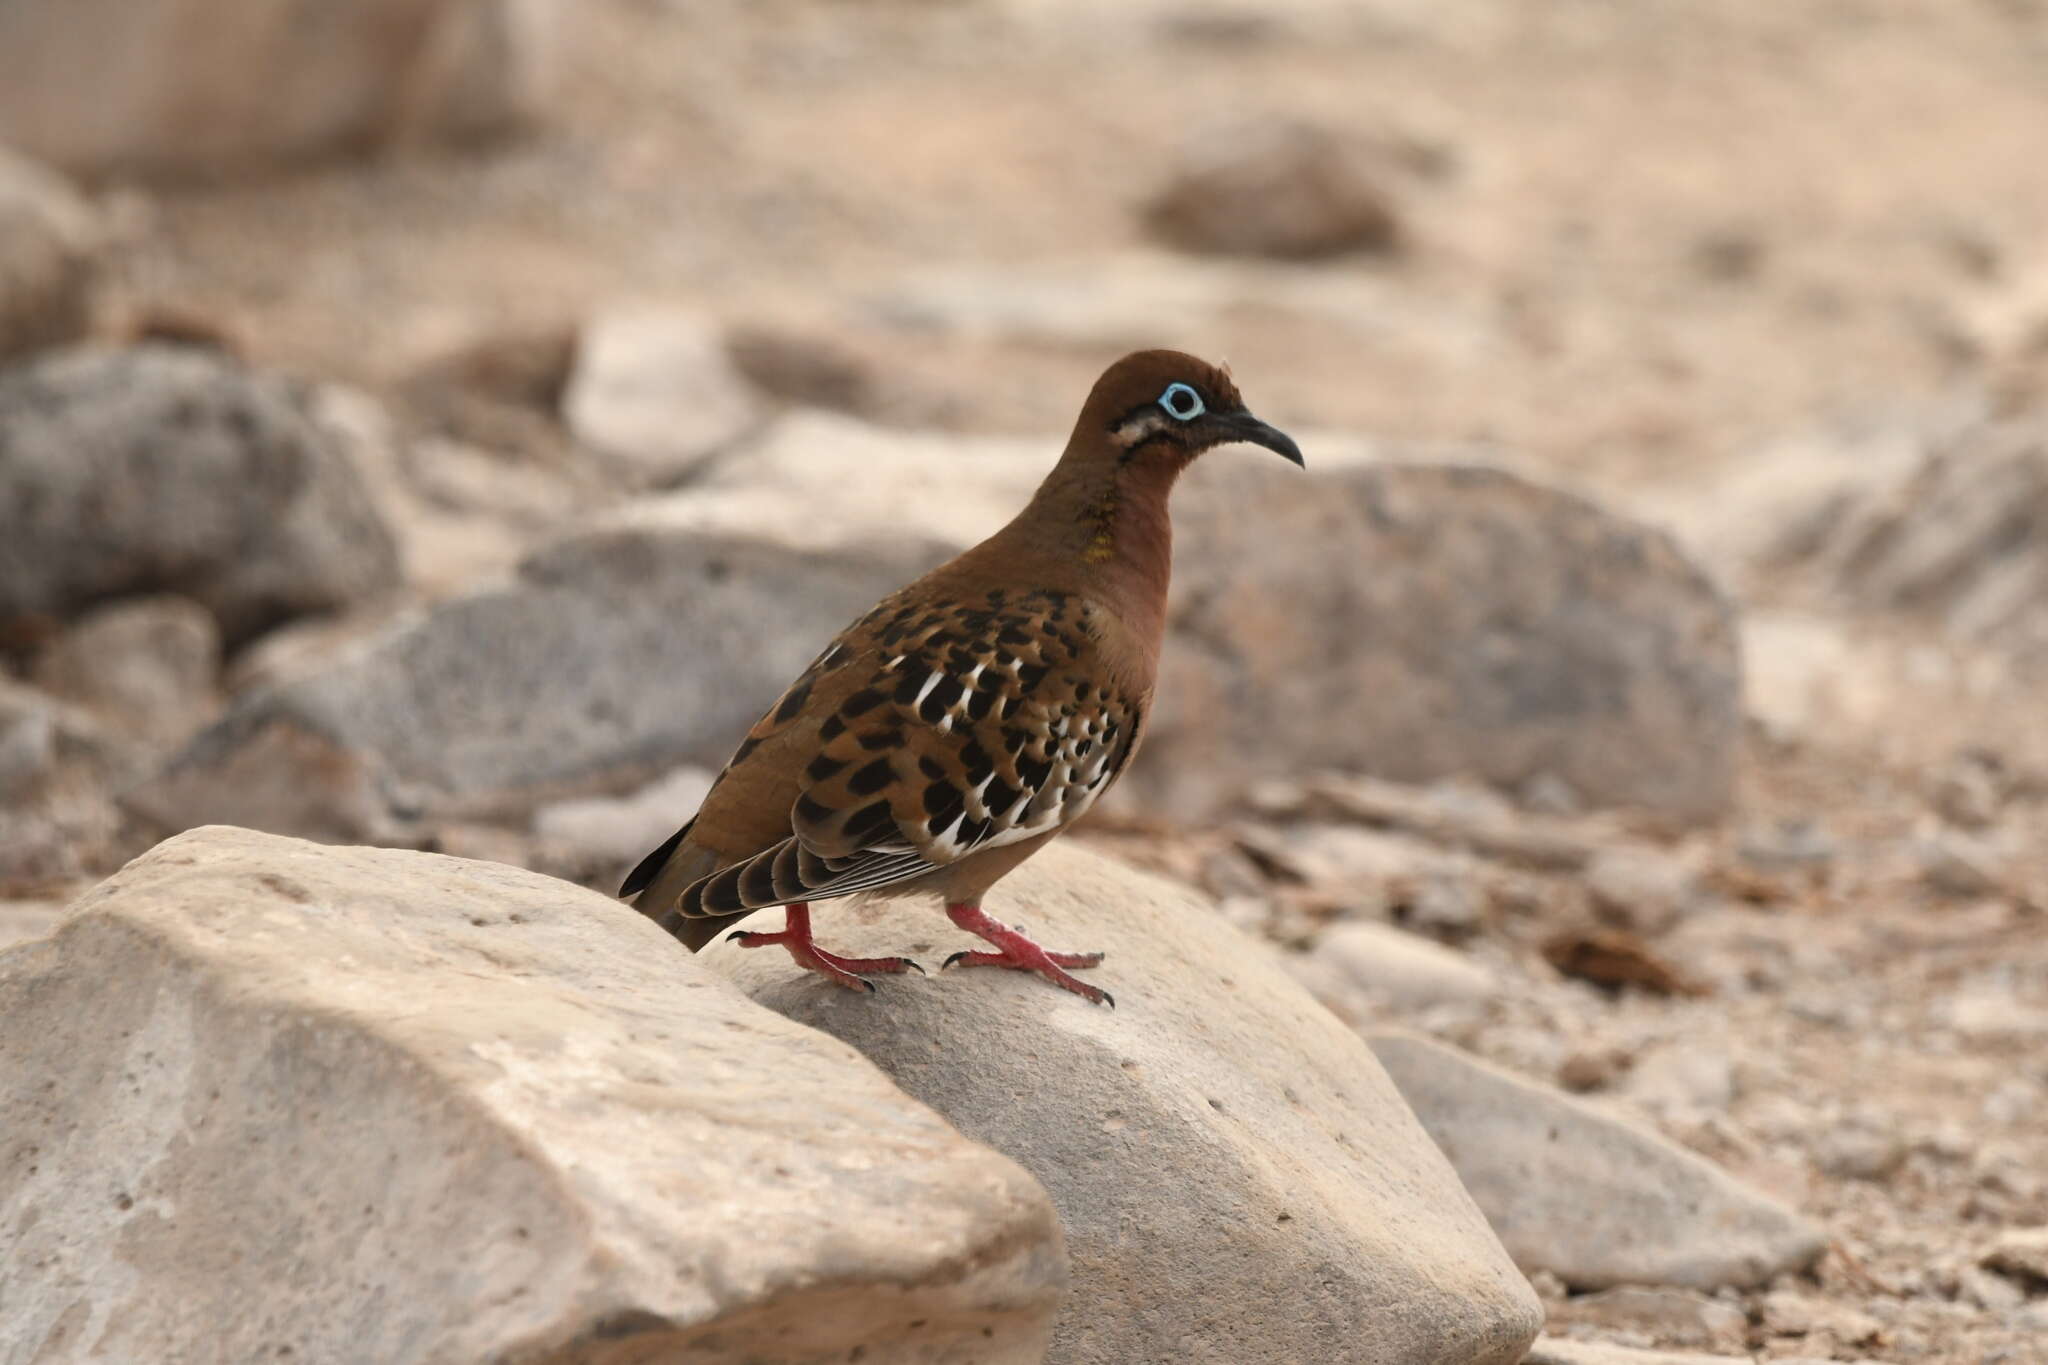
(1140, 427)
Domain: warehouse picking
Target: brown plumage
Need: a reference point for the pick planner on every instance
(968, 718)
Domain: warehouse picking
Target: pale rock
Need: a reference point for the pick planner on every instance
(147, 666)
(1668, 1317)
(1793, 1314)
(1237, 1177)
(28, 741)
(50, 243)
(172, 470)
(1989, 1011)
(1365, 970)
(2021, 1253)
(1277, 189)
(1953, 863)
(21, 921)
(206, 86)
(657, 392)
(1959, 541)
(1565, 1351)
(623, 829)
(1992, 1293)
(1685, 1079)
(851, 484)
(1451, 814)
(1444, 903)
(1639, 888)
(461, 516)
(1575, 1190)
(1858, 1150)
(617, 653)
(1114, 302)
(261, 1097)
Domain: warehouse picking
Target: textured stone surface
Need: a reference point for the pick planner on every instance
(205, 85)
(1367, 969)
(656, 391)
(21, 921)
(616, 654)
(1960, 540)
(161, 470)
(1275, 189)
(49, 245)
(147, 666)
(1565, 1351)
(1575, 1191)
(1418, 622)
(1237, 1178)
(260, 1098)
(28, 740)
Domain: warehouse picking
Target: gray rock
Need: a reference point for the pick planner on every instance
(1366, 970)
(212, 85)
(621, 829)
(147, 666)
(1420, 622)
(1685, 1079)
(28, 741)
(1643, 889)
(1953, 863)
(379, 1105)
(49, 250)
(616, 654)
(1961, 541)
(23, 921)
(2023, 1254)
(1237, 1178)
(656, 391)
(1276, 189)
(1576, 1191)
(1667, 1317)
(1565, 1351)
(163, 470)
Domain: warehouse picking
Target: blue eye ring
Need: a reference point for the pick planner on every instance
(1181, 402)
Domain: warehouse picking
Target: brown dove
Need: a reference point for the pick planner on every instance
(949, 733)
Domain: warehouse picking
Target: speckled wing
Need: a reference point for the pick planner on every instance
(980, 725)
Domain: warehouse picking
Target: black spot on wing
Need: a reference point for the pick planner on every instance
(873, 778)
(793, 702)
(649, 867)
(870, 823)
(860, 703)
(946, 691)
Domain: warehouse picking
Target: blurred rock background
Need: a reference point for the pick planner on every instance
(444, 423)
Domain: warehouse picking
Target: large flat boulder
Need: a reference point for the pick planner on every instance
(1417, 622)
(1238, 1179)
(172, 470)
(613, 655)
(261, 1099)
(1595, 1200)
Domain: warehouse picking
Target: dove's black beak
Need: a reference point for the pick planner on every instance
(1242, 426)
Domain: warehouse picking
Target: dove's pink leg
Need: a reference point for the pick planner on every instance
(796, 936)
(1021, 954)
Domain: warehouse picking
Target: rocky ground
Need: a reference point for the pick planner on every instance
(1674, 381)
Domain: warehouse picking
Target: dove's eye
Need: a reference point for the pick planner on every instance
(1181, 402)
